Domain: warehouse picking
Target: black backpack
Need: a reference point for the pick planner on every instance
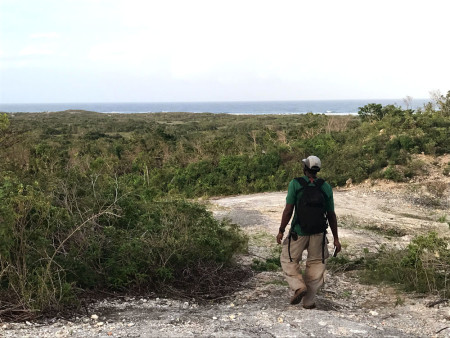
(311, 209)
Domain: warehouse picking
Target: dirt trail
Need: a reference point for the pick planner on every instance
(368, 215)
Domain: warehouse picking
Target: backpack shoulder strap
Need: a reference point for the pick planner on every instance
(319, 182)
(302, 181)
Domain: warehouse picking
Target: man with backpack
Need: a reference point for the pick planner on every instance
(312, 200)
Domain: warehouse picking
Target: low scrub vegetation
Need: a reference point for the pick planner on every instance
(271, 263)
(98, 201)
(84, 234)
(423, 266)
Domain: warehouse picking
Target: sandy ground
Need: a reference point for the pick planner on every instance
(368, 216)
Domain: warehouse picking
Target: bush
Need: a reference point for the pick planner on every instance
(394, 174)
(423, 266)
(372, 111)
(415, 167)
(446, 170)
(270, 264)
(4, 122)
(437, 189)
(166, 239)
(69, 238)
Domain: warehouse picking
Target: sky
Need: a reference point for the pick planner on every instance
(195, 50)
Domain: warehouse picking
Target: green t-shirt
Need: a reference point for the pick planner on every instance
(295, 191)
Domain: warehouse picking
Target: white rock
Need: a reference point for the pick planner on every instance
(358, 331)
(373, 313)
(94, 317)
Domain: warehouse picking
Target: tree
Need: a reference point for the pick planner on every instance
(408, 102)
(442, 102)
(371, 111)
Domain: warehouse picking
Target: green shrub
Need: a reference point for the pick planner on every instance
(4, 121)
(414, 167)
(394, 174)
(164, 240)
(423, 266)
(446, 170)
(342, 263)
(57, 242)
(270, 264)
(371, 111)
(442, 219)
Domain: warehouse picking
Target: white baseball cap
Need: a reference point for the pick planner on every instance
(312, 162)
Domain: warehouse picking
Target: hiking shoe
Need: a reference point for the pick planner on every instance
(310, 307)
(298, 295)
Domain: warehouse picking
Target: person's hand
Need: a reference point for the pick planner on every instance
(337, 245)
(279, 237)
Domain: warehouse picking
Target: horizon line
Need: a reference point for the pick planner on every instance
(230, 101)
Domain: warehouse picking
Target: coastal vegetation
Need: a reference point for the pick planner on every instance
(94, 201)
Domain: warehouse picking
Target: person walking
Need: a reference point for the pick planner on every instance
(312, 200)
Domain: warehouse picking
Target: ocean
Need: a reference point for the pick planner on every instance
(244, 107)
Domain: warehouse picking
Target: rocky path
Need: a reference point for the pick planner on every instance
(368, 217)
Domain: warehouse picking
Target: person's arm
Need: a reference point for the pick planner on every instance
(285, 218)
(332, 221)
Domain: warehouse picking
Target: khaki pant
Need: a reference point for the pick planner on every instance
(314, 273)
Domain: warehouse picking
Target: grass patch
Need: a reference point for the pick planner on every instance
(277, 282)
(386, 231)
(345, 294)
(261, 239)
(343, 263)
(351, 222)
(270, 264)
(442, 219)
(424, 218)
(348, 222)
